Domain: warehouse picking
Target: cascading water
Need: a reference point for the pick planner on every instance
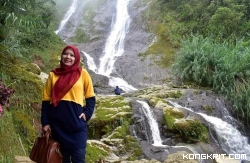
(67, 16)
(154, 129)
(229, 138)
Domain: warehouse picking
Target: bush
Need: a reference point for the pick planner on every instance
(222, 66)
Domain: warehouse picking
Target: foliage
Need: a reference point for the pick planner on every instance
(222, 19)
(20, 17)
(221, 66)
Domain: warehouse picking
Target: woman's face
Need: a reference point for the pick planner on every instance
(68, 57)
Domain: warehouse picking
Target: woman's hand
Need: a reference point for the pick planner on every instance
(46, 128)
(83, 116)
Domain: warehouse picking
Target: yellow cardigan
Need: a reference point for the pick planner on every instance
(81, 90)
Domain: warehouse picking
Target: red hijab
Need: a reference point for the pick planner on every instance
(68, 76)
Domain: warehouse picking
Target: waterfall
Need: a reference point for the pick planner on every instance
(229, 138)
(152, 123)
(115, 43)
(154, 129)
(90, 62)
(67, 16)
(114, 47)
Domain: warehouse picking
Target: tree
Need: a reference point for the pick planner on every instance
(226, 21)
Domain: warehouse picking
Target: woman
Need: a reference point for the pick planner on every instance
(63, 110)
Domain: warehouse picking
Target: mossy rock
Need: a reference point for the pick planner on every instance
(96, 151)
(111, 112)
(191, 131)
(170, 115)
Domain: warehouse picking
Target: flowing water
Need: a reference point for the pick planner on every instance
(228, 137)
(154, 129)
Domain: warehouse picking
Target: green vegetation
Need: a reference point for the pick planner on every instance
(170, 116)
(191, 131)
(222, 66)
(11, 143)
(131, 146)
(112, 114)
(95, 152)
(209, 109)
(112, 121)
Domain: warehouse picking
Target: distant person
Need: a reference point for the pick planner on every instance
(117, 90)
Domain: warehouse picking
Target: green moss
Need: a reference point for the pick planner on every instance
(176, 94)
(170, 115)
(112, 102)
(130, 145)
(99, 127)
(9, 139)
(27, 85)
(33, 68)
(209, 109)
(191, 131)
(153, 101)
(121, 131)
(24, 126)
(94, 153)
(81, 36)
(108, 107)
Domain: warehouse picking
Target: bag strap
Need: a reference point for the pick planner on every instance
(47, 135)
